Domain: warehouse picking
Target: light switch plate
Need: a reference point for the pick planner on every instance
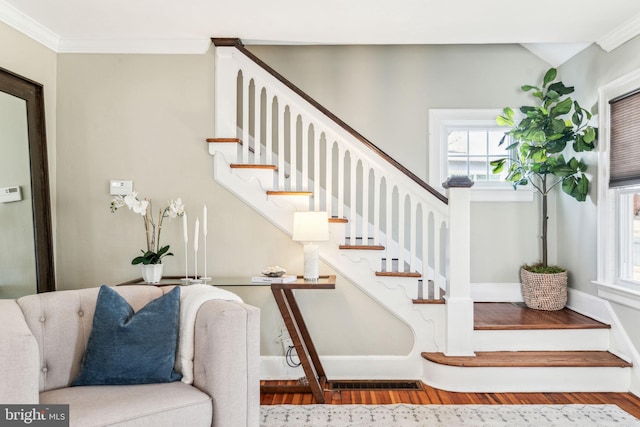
(119, 187)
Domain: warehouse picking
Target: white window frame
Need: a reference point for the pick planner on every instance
(442, 119)
(610, 205)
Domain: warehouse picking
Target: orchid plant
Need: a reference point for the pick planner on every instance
(154, 252)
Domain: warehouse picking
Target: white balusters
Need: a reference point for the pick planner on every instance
(384, 206)
(268, 142)
(246, 83)
(365, 203)
(353, 193)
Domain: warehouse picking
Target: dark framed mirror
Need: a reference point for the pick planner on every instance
(28, 96)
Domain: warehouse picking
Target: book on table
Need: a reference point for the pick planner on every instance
(287, 278)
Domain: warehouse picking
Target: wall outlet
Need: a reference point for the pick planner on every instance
(287, 343)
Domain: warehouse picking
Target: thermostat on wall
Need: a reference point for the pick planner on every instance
(118, 187)
(10, 194)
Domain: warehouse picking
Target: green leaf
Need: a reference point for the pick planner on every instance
(549, 76)
(498, 165)
(512, 146)
(553, 95)
(527, 88)
(538, 94)
(504, 121)
(538, 136)
(561, 88)
(589, 134)
(562, 107)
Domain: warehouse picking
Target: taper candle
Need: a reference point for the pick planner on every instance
(184, 228)
(195, 235)
(204, 220)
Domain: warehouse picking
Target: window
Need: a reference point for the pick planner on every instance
(471, 149)
(629, 234)
(619, 192)
(464, 142)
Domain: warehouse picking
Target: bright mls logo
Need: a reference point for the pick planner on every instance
(34, 415)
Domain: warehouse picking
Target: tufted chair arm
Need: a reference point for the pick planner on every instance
(19, 357)
(227, 361)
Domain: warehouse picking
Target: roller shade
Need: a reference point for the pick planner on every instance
(625, 140)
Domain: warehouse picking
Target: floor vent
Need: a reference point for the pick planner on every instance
(375, 385)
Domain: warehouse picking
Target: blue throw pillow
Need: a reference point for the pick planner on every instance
(131, 348)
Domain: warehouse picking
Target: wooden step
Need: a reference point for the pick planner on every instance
(363, 247)
(225, 140)
(398, 274)
(542, 359)
(289, 193)
(338, 220)
(516, 316)
(252, 166)
(429, 301)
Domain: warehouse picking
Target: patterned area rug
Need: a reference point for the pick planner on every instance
(403, 415)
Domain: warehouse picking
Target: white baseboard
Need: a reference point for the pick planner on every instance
(347, 367)
(620, 343)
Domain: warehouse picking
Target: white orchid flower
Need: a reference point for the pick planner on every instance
(137, 206)
(140, 207)
(176, 208)
(117, 202)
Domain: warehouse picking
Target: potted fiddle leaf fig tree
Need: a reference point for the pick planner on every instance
(539, 141)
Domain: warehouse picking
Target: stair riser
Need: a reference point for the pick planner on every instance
(264, 177)
(542, 340)
(525, 379)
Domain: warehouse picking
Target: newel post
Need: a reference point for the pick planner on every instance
(226, 102)
(459, 305)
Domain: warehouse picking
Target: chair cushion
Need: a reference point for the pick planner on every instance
(127, 347)
(155, 405)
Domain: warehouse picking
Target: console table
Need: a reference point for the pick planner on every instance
(313, 370)
(293, 320)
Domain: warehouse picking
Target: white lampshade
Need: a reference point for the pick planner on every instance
(310, 226)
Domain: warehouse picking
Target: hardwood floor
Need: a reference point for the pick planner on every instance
(504, 316)
(430, 395)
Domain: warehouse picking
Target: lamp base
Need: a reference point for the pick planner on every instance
(311, 262)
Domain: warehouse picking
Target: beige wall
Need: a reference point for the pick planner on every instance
(588, 71)
(385, 93)
(145, 118)
(577, 240)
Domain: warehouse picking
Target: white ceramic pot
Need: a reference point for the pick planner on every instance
(152, 273)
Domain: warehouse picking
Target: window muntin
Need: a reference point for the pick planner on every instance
(470, 151)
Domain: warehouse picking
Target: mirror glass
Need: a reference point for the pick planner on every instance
(17, 255)
(26, 243)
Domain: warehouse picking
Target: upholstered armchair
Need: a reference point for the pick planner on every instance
(44, 337)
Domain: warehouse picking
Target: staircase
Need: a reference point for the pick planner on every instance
(393, 236)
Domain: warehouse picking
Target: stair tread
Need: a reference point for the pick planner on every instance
(515, 316)
(338, 220)
(289, 193)
(251, 166)
(398, 274)
(363, 247)
(224, 140)
(531, 359)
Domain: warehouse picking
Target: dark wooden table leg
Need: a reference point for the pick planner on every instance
(302, 342)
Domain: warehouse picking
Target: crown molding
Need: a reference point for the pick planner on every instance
(133, 46)
(620, 35)
(29, 27)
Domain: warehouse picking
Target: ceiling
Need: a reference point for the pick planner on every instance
(556, 28)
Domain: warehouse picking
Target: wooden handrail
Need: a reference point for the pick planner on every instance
(237, 43)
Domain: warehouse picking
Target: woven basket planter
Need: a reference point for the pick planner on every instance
(544, 291)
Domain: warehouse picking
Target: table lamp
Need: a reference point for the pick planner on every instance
(310, 227)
